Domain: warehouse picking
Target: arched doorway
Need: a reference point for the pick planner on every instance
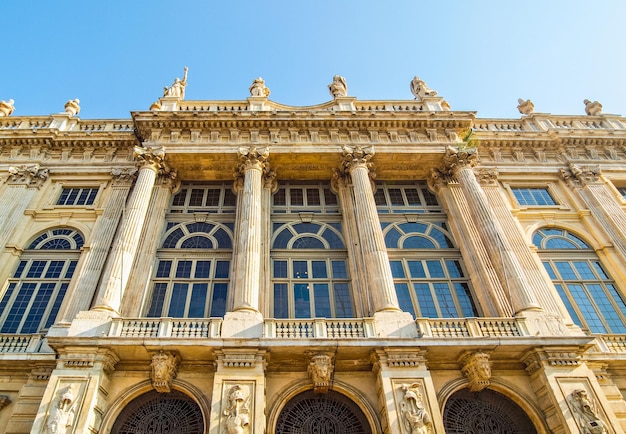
(484, 412)
(160, 413)
(330, 413)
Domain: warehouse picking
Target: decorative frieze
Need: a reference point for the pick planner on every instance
(476, 367)
(235, 359)
(320, 369)
(577, 175)
(164, 370)
(30, 175)
(555, 358)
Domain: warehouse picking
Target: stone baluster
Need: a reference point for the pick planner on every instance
(356, 162)
(85, 282)
(459, 163)
(120, 263)
(20, 187)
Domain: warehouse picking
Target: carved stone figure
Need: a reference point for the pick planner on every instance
(237, 413)
(164, 366)
(27, 174)
(415, 418)
(420, 90)
(258, 88)
(177, 89)
(62, 412)
(585, 413)
(72, 108)
(525, 107)
(4, 401)
(7, 107)
(593, 108)
(338, 87)
(321, 370)
(477, 370)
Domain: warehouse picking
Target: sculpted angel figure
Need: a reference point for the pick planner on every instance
(338, 87)
(177, 89)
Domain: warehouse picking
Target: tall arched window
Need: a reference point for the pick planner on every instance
(588, 292)
(427, 270)
(34, 293)
(309, 271)
(192, 275)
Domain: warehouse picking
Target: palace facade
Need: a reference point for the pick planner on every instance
(355, 266)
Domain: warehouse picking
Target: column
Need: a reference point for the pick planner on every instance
(138, 287)
(459, 163)
(356, 162)
(20, 188)
(85, 282)
(120, 261)
(245, 320)
(487, 287)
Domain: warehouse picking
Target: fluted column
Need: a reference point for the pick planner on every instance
(120, 262)
(85, 282)
(252, 165)
(20, 188)
(356, 161)
(459, 163)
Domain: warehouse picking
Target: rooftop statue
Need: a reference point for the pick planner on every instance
(177, 89)
(7, 107)
(338, 87)
(258, 88)
(72, 108)
(593, 108)
(525, 107)
(420, 89)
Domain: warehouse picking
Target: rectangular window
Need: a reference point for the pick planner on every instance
(534, 197)
(401, 197)
(622, 191)
(77, 196)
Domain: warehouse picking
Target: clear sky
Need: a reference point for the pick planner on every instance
(116, 55)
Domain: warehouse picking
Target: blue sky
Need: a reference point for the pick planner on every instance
(116, 55)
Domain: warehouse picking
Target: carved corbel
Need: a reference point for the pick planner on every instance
(477, 369)
(164, 369)
(321, 368)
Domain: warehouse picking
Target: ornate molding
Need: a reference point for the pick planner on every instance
(476, 367)
(357, 156)
(321, 368)
(27, 174)
(240, 359)
(557, 358)
(577, 175)
(164, 370)
(456, 159)
(402, 359)
(487, 176)
(124, 176)
(152, 157)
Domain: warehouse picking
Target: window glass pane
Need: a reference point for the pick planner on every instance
(465, 299)
(404, 298)
(396, 269)
(158, 296)
(435, 269)
(313, 196)
(70, 269)
(322, 300)
(446, 302)
(302, 301)
(54, 269)
(425, 300)
(38, 307)
(36, 268)
(549, 269)
(163, 269)
(379, 197)
(584, 270)
(454, 269)
(198, 300)
(599, 270)
(281, 301)
(203, 269)
(18, 308)
(319, 269)
(296, 196)
(178, 300)
(586, 308)
(57, 304)
(329, 197)
(280, 268)
(20, 269)
(279, 197)
(412, 196)
(568, 305)
(195, 199)
(339, 270)
(183, 270)
(300, 270)
(213, 197)
(566, 271)
(395, 195)
(416, 269)
(343, 303)
(218, 303)
(222, 269)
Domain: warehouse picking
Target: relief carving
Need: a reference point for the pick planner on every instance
(320, 371)
(576, 174)
(585, 413)
(72, 107)
(237, 413)
(456, 159)
(477, 369)
(123, 176)
(27, 174)
(61, 415)
(164, 369)
(357, 156)
(151, 156)
(415, 418)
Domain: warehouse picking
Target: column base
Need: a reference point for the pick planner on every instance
(242, 324)
(395, 324)
(91, 323)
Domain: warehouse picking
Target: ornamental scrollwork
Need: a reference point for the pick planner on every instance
(237, 413)
(164, 370)
(321, 370)
(357, 156)
(477, 369)
(152, 157)
(415, 417)
(585, 413)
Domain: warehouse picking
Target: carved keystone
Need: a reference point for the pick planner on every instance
(321, 371)
(164, 369)
(477, 369)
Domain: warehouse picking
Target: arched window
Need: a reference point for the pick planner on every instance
(588, 292)
(427, 270)
(34, 293)
(309, 271)
(192, 275)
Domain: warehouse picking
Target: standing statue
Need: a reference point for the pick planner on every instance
(177, 89)
(338, 87)
(7, 107)
(416, 419)
(593, 108)
(585, 414)
(420, 90)
(72, 107)
(258, 88)
(237, 412)
(62, 414)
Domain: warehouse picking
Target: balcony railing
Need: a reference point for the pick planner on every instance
(166, 328)
(20, 343)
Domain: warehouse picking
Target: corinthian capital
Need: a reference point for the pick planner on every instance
(356, 156)
(27, 174)
(456, 159)
(250, 158)
(576, 174)
(151, 157)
